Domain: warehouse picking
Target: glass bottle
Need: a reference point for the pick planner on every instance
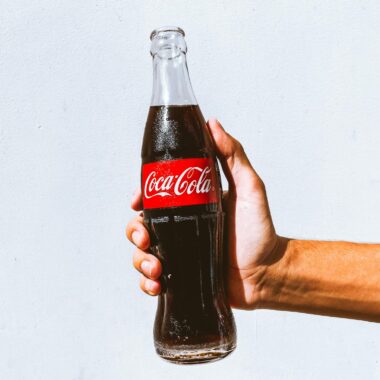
(183, 213)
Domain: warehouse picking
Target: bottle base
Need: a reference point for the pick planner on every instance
(194, 355)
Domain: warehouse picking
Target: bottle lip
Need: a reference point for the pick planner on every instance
(164, 29)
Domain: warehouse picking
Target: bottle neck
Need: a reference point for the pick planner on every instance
(171, 81)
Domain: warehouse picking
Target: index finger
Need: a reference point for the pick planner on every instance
(136, 202)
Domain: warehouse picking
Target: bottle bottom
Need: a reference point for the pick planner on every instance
(194, 354)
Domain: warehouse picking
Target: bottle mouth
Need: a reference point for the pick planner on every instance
(168, 42)
(166, 29)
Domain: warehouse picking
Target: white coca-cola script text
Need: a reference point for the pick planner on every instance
(187, 182)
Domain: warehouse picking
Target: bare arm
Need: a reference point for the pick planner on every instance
(329, 278)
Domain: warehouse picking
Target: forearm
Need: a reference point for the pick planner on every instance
(329, 278)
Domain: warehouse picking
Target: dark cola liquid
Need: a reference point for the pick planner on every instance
(194, 322)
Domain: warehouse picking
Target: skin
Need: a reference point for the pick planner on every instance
(266, 270)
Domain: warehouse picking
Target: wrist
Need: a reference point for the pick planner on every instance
(275, 272)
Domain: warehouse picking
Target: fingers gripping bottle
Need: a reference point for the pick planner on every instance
(182, 192)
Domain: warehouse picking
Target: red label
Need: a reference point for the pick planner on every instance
(190, 181)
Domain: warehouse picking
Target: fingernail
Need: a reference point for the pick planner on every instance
(146, 267)
(150, 286)
(136, 237)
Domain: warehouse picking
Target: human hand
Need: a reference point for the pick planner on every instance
(252, 242)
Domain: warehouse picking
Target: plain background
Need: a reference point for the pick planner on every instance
(296, 81)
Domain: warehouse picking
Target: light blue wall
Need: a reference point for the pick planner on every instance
(298, 82)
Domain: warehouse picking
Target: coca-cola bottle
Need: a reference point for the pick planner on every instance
(183, 213)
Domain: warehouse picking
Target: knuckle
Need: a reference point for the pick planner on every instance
(141, 238)
(128, 230)
(131, 227)
(257, 184)
(136, 221)
(137, 259)
(260, 184)
(239, 146)
(142, 283)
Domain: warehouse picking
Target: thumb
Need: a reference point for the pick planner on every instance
(235, 163)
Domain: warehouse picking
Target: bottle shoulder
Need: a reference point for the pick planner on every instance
(175, 132)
